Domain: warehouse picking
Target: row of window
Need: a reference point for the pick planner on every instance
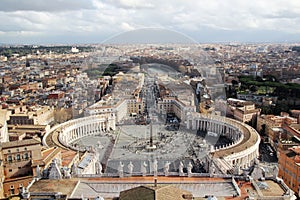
(291, 174)
(17, 157)
(12, 189)
(105, 110)
(288, 182)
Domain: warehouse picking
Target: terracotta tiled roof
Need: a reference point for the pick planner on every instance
(67, 156)
(65, 186)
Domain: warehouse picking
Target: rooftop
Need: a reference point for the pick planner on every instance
(47, 156)
(159, 192)
(67, 156)
(64, 186)
(199, 187)
(18, 143)
(272, 189)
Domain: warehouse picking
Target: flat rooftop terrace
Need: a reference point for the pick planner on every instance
(200, 187)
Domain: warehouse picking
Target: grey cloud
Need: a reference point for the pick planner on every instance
(150, 35)
(10, 28)
(130, 4)
(40, 5)
(285, 14)
(206, 20)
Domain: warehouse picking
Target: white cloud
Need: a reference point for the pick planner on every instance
(62, 17)
(38, 5)
(131, 4)
(126, 27)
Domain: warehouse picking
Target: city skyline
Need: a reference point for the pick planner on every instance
(103, 121)
(93, 21)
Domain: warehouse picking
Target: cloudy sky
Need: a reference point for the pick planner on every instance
(93, 21)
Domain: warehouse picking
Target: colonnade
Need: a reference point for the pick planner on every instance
(219, 128)
(242, 152)
(245, 154)
(75, 129)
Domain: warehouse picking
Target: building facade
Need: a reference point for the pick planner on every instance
(289, 167)
(18, 157)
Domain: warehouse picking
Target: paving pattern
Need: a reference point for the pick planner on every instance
(171, 146)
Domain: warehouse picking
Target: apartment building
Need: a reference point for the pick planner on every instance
(289, 167)
(241, 110)
(18, 157)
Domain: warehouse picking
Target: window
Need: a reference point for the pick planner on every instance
(9, 159)
(25, 156)
(8, 151)
(18, 157)
(12, 191)
(10, 170)
(20, 187)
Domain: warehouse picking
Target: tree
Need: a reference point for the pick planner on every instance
(271, 78)
(259, 79)
(281, 106)
(266, 110)
(262, 131)
(253, 88)
(234, 82)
